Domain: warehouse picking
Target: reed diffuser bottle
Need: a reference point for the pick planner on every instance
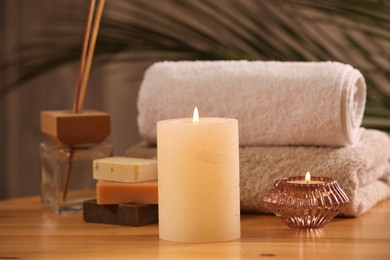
(74, 137)
(74, 141)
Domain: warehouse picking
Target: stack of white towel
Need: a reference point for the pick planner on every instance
(293, 117)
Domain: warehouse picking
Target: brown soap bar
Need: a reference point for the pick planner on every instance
(134, 215)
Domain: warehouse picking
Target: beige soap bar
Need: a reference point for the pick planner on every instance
(125, 169)
(108, 192)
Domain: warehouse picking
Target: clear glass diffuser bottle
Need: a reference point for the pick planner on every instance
(67, 174)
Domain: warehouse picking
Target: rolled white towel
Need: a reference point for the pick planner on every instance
(276, 103)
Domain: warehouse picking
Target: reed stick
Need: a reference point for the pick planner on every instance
(91, 49)
(83, 74)
(68, 173)
(83, 56)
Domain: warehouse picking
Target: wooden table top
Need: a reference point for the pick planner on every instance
(29, 232)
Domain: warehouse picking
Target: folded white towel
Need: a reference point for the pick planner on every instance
(362, 170)
(276, 103)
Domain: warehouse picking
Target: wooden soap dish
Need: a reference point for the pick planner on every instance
(67, 128)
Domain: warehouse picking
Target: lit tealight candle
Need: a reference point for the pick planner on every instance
(305, 202)
(198, 179)
(307, 180)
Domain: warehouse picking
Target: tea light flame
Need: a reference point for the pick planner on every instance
(195, 118)
(307, 178)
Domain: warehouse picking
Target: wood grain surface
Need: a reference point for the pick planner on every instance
(29, 232)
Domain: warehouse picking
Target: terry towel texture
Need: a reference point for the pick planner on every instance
(276, 103)
(362, 170)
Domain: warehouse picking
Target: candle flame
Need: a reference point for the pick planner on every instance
(307, 178)
(195, 118)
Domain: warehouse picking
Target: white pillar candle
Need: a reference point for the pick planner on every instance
(198, 180)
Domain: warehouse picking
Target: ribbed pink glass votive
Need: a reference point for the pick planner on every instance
(302, 205)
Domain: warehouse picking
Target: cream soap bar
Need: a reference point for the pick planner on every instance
(124, 169)
(108, 192)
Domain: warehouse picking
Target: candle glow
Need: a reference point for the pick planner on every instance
(307, 178)
(195, 118)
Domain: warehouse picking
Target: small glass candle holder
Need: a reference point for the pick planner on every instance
(66, 174)
(302, 204)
